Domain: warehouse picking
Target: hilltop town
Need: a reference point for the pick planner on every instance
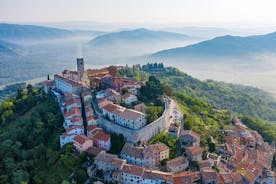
(100, 105)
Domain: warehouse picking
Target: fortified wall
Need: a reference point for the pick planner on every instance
(144, 134)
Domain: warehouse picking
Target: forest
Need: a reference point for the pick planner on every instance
(30, 126)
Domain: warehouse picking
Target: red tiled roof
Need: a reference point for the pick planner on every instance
(176, 162)
(237, 178)
(100, 134)
(208, 174)
(193, 150)
(81, 139)
(131, 150)
(72, 101)
(186, 177)
(123, 112)
(158, 175)
(76, 119)
(74, 110)
(250, 171)
(133, 169)
(90, 118)
(94, 150)
(91, 127)
(71, 82)
(226, 177)
(155, 149)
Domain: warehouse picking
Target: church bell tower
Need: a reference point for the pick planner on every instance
(80, 65)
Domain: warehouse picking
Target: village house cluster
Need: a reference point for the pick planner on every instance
(149, 156)
(118, 170)
(74, 97)
(87, 98)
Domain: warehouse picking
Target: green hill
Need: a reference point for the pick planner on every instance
(30, 126)
(234, 98)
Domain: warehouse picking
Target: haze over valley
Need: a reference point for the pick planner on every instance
(29, 52)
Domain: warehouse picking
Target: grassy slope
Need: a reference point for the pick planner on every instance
(222, 95)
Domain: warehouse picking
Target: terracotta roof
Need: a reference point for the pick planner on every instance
(132, 151)
(118, 162)
(154, 149)
(70, 96)
(204, 163)
(176, 162)
(76, 119)
(237, 178)
(186, 177)
(226, 177)
(81, 139)
(133, 170)
(130, 114)
(193, 150)
(250, 171)
(94, 150)
(158, 175)
(72, 101)
(103, 102)
(89, 128)
(74, 110)
(123, 112)
(208, 174)
(112, 107)
(100, 134)
(90, 118)
(69, 81)
(106, 157)
(110, 159)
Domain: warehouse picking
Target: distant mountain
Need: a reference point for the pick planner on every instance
(225, 46)
(15, 32)
(137, 36)
(202, 32)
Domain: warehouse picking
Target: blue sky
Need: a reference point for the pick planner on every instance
(239, 12)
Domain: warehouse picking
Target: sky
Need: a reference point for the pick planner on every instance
(173, 12)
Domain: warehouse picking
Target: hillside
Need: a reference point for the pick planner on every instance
(136, 36)
(234, 98)
(16, 32)
(224, 46)
(30, 126)
(201, 31)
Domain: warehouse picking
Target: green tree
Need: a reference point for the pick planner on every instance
(20, 177)
(30, 89)
(124, 91)
(168, 90)
(153, 112)
(20, 93)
